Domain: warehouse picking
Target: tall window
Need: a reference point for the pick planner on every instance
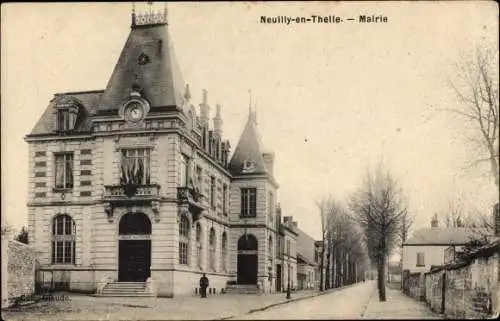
(211, 250)
(224, 199)
(270, 200)
(184, 171)
(249, 202)
(288, 247)
(224, 251)
(420, 259)
(135, 166)
(63, 240)
(199, 246)
(199, 177)
(212, 192)
(64, 170)
(183, 240)
(270, 246)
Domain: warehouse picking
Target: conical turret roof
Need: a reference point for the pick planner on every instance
(146, 64)
(249, 149)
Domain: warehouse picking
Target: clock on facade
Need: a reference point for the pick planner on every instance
(134, 111)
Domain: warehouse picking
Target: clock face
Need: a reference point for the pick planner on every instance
(135, 111)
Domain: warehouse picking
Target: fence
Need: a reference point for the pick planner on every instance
(413, 285)
(469, 289)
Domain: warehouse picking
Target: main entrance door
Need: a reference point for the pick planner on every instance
(134, 263)
(247, 260)
(278, 277)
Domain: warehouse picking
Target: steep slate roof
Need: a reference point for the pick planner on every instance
(305, 247)
(47, 122)
(441, 236)
(249, 148)
(159, 78)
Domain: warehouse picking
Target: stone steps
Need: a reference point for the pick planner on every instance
(126, 289)
(242, 289)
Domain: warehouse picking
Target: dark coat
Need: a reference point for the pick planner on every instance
(204, 282)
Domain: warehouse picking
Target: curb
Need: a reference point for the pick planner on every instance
(288, 301)
(362, 316)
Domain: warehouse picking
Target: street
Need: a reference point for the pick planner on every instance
(348, 303)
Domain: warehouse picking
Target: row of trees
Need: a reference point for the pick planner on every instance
(344, 260)
(365, 231)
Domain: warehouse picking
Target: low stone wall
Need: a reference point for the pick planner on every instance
(470, 289)
(18, 271)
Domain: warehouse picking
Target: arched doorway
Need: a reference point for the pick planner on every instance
(247, 260)
(134, 263)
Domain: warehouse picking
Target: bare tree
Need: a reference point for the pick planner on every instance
(378, 207)
(476, 87)
(323, 206)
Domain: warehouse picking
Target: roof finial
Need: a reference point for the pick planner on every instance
(133, 14)
(255, 112)
(250, 102)
(187, 93)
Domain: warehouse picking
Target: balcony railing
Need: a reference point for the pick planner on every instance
(137, 192)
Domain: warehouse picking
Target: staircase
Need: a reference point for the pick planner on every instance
(242, 289)
(126, 289)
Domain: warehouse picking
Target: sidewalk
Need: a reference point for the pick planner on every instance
(218, 307)
(397, 306)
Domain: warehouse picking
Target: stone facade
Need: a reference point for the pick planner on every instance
(140, 147)
(468, 289)
(19, 264)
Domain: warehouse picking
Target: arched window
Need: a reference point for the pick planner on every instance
(183, 240)
(63, 240)
(199, 246)
(224, 251)
(211, 251)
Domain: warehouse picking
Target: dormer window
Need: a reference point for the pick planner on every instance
(67, 114)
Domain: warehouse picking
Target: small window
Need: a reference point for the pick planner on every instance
(420, 259)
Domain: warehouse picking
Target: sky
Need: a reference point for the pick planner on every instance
(332, 99)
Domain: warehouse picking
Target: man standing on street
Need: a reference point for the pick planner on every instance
(204, 285)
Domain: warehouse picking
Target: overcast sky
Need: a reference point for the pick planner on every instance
(332, 99)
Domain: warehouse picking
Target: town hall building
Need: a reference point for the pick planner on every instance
(133, 184)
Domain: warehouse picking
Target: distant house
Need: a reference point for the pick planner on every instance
(394, 272)
(306, 273)
(433, 246)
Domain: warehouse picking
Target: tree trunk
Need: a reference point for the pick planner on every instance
(321, 266)
(381, 277)
(327, 270)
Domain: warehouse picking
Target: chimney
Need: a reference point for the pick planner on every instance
(269, 162)
(218, 121)
(204, 109)
(295, 224)
(496, 219)
(287, 219)
(434, 221)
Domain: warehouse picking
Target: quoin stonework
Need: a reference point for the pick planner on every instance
(133, 184)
